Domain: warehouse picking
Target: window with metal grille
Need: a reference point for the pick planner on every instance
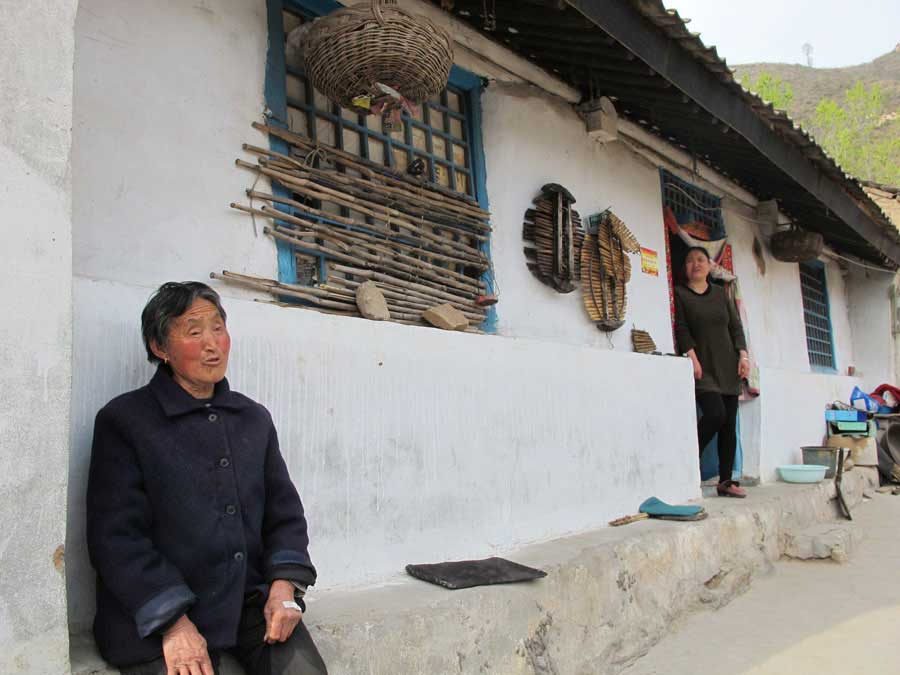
(439, 140)
(816, 315)
(691, 204)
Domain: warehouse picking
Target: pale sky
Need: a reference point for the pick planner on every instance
(842, 32)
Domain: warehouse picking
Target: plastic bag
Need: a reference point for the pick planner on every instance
(862, 401)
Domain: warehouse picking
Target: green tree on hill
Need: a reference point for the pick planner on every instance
(770, 88)
(847, 132)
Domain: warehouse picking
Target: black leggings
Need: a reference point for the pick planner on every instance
(719, 417)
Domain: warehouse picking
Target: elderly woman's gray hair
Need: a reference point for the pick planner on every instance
(170, 301)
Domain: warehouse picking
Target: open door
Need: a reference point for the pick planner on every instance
(693, 217)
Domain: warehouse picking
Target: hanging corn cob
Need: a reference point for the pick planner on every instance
(606, 269)
(554, 234)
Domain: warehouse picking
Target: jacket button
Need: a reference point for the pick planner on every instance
(230, 510)
(224, 462)
(213, 417)
(239, 556)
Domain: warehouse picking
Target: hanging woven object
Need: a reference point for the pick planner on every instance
(376, 57)
(553, 234)
(796, 245)
(642, 341)
(605, 270)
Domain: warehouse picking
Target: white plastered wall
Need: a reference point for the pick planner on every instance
(869, 296)
(36, 57)
(407, 444)
(533, 139)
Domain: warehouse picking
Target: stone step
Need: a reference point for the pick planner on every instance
(833, 541)
(610, 594)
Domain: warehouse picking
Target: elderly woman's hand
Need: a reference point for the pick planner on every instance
(280, 620)
(184, 650)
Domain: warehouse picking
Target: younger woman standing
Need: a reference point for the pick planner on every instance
(708, 330)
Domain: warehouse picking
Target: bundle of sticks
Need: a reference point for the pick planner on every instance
(423, 244)
(340, 299)
(606, 270)
(554, 235)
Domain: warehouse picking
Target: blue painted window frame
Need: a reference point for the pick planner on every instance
(465, 82)
(814, 317)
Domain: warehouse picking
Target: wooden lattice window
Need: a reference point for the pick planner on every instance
(440, 242)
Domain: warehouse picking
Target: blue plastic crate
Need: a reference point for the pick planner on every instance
(845, 416)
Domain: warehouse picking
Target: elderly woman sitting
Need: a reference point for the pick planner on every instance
(194, 526)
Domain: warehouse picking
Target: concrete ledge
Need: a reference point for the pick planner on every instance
(610, 594)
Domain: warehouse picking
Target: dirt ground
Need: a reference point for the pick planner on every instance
(807, 617)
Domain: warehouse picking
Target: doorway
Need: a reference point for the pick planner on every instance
(693, 217)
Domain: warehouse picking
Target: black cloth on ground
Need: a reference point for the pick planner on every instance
(468, 573)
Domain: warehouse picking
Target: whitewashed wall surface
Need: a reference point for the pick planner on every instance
(407, 444)
(36, 59)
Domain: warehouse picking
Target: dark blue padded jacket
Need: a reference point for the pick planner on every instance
(189, 508)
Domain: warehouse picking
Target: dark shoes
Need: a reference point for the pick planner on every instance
(730, 488)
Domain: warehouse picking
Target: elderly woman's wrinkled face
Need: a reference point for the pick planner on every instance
(697, 266)
(197, 348)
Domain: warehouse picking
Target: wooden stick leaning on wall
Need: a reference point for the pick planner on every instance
(366, 249)
(448, 197)
(419, 198)
(444, 245)
(400, 299)
(427, 299)
(362, 205)
(349, 242)
(378, 193)
(386, 258)
(324, 301)
(315, 191)
(320, 310)
(314, 296)
(445, 294)
(389, 235)
(372, 262)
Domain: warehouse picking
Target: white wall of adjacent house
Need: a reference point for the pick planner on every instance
(36, 57)
(869, 296)
(407, 444)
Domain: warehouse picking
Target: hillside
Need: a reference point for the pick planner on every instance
(812, 84)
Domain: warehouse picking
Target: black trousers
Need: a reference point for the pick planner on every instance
(719, 417)
(296, 656)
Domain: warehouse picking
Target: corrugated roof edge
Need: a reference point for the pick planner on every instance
(675, 27)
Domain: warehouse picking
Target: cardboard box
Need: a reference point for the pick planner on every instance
(863, 450)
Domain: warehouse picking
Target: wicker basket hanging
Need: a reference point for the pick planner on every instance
(352, 51)
(796, 245)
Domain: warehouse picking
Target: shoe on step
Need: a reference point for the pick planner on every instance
(730, 488)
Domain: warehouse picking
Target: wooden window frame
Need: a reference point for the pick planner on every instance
(466, 84)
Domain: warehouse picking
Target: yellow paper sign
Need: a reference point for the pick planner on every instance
(649, 262)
